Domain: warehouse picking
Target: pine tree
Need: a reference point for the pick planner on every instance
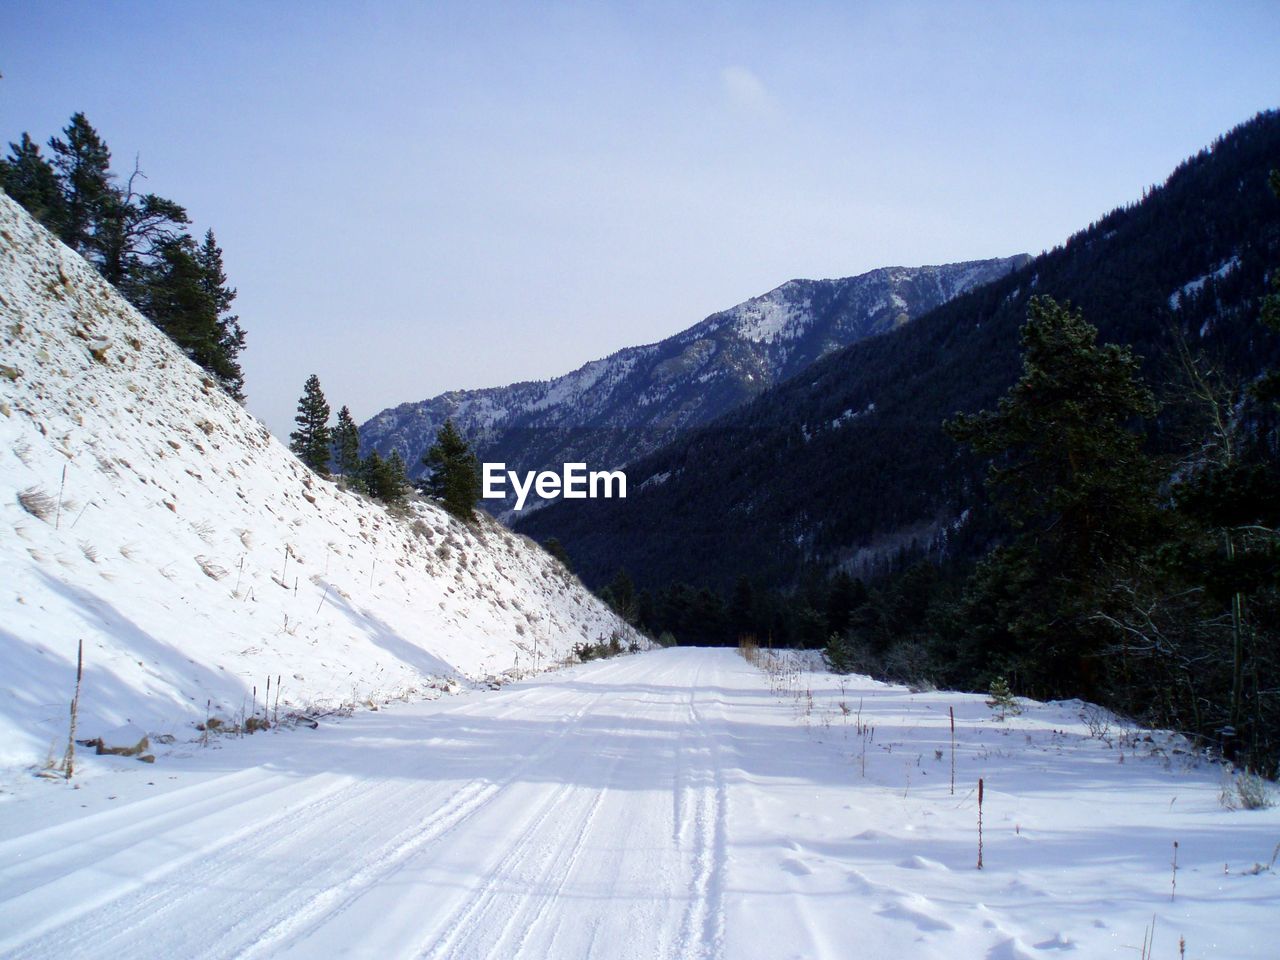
(742, 609)
(228, 337)
(346, 446)
(620, 594)
(844, 596)
(396, 484)
(136, 240)
(1268, 386)
(30, 180)
(311, 440)
(1069, 473)
(554, 547)
(1002, 701)
(372, 473)
(384, 477)
(174, 296)
(455, 473)
(83, 162)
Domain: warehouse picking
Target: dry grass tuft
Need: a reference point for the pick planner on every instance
(211, 569)
(38, 503)
(1245, 790)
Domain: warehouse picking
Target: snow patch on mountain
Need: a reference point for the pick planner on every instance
(779, 314)
(1193, 287)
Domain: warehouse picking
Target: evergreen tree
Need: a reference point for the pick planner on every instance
(174, 296)
(136, 240)
(226, 334)
(455, 473)
(130, 232)
(30, 180)
(346, 446)
(83, 162)
(646, 609)
(1069, 472)
(557, 550)
(372, 474)
(1268, 387)
(384, 477)
(844, 596)
(1002, 701)
(311, 440)
(397, 480)
(742, 609)
(184, 293)
(620, 594)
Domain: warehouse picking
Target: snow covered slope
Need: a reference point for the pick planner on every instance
(144, 512)
(615, 410)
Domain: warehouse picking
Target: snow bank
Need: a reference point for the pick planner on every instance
(147, 514)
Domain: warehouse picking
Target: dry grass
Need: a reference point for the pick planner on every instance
(205, 531)
(211, 570)
(1245, 790)
(38, 503)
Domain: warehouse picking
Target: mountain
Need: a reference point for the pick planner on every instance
(846, 465)
(148, 515)
(612, 411)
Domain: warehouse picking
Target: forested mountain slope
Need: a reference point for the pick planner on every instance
(847, 463)
(612, 411)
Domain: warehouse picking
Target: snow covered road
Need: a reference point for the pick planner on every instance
(662, 805)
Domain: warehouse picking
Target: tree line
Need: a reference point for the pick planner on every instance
(137, 240)
(1140, 576)
(454, 477)
(792, 482)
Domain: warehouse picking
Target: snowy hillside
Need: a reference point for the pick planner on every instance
(613, 411)
(149, 515)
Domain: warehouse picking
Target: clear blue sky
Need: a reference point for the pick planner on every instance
(415, 197)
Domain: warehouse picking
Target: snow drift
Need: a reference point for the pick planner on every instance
(147, 514)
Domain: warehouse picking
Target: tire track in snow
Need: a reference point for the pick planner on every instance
(85, 898)
(167, 883)
(566, 867)
(702, 927)
(63, 844)
(465, 927)
(309, 850)
(619, 889)
(330, 901)
(328, 904)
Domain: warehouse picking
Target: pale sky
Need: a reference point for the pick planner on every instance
(416, 197)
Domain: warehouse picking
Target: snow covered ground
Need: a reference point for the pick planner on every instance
(147, 514)
(679, 803)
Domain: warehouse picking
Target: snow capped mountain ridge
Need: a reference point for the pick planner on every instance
(147, 514)
(612, 411)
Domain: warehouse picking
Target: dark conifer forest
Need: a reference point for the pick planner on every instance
(1069, 478)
